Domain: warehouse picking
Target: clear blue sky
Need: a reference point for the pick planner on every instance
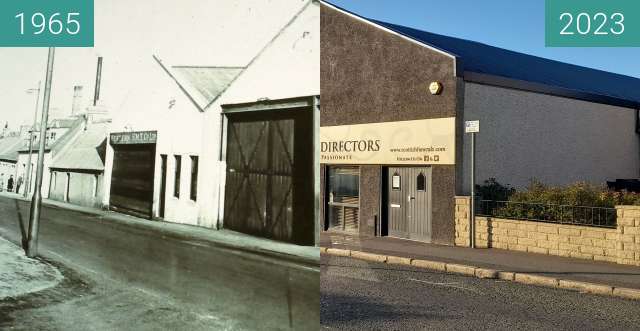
(510, 24)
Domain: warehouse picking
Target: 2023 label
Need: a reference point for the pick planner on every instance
(46, 23)
(592, 23)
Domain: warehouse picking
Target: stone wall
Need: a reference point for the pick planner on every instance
(620, 245)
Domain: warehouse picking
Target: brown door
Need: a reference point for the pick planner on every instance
(269, 186)
(132, 179)
(409, 203)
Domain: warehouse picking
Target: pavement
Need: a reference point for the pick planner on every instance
(364, 295)
(121, 272)
(21, 275)
(535, 268)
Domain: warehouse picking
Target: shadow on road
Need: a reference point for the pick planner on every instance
(346, 309)
(23, 229)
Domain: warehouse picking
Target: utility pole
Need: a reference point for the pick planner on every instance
(36, 200)
(472, 127)
(27, 187)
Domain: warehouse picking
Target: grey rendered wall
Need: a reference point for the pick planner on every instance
(556, 140)
(365, 77)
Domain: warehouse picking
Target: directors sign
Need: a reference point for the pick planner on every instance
(430, 141)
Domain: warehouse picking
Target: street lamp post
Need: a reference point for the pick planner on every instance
(27, 187)
(36, 200)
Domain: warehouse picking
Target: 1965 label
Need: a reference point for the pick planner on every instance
(46, 23)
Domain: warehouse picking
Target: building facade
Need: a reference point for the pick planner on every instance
(77, 172)
(171, 163)
(394, 101)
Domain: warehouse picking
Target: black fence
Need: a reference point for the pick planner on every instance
(540, 212)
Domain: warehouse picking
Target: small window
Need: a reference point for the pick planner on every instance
(194, 178)
(66, 188)
(95, 185)
(395, 181)
(176, 183)
(421, 182)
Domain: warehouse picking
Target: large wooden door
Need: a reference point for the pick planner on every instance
(132, 179)
(269, 180)
(409, 203)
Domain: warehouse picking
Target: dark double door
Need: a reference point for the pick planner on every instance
(409, 203)
(269, 179)
(132, 179)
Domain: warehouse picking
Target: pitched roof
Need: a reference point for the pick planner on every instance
(497, 66)
(9, 147)
(207, 83)
(73, 125)
(203, 85)
(86, 152)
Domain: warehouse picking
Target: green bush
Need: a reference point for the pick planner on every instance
(492, 190)
(576, 194)
(554, 203)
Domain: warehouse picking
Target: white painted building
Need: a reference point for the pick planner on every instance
(59, 133)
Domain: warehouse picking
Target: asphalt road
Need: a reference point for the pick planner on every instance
(359, 295)
(124, 278)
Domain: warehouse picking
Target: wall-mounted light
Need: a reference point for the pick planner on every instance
(435, 88)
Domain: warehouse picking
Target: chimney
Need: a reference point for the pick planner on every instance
(77, 101)
(96, 95)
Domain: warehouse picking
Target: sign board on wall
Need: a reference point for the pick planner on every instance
(140, 137)
(429, 141)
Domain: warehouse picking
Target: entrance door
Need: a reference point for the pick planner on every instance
(409, 203)
(132, 179)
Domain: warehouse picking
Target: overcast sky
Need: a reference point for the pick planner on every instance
(127, 34)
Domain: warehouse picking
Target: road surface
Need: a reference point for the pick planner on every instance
(359, 295)
(121, 278)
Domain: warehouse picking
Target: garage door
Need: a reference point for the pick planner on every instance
(132, 179)
(269, 180)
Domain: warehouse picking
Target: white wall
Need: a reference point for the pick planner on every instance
(292, 61)
(288, 67)
(556, 140)
(46, 174)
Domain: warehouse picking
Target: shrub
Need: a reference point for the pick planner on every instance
(576, 194)
(554, 203)
(492, 190)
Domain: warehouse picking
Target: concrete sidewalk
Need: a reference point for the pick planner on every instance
(568, 269)
(221, 238)
(20, 275)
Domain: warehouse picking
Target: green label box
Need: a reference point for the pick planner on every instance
(46, 23)
(592, 23)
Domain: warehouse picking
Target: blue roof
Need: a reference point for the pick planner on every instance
(492, 65)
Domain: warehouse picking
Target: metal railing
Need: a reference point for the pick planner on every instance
(550, 213)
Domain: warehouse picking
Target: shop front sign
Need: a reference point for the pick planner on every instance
(429, 141)
(140, 137)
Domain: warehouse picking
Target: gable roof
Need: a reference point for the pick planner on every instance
(202, 85)
(73, 125)
(86, 152)
(9, 147)
(482, 63)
